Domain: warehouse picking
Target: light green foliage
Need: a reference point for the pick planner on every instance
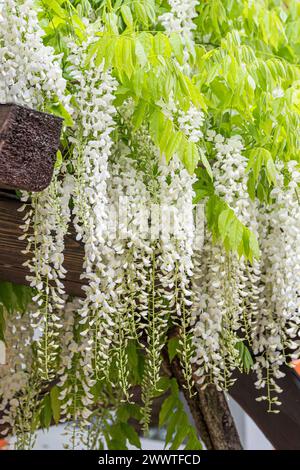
(13, 298)
(245, 53)
(179, 431)
(244, 356)
(223, 222)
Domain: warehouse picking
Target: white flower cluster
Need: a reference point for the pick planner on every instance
(180, 18)
(221, 277)
(130, 255)
(275, 333)
(152, 264)
(230, 172)
(30, 73)
(92, 145)
(239, 301)
(15, 374)
(176, 257)
(191, 123)
(45, 226)
(76, 377)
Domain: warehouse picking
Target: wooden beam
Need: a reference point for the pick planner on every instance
(12, 259)
(29, 141)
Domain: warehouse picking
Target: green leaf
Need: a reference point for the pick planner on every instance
(157, 123)
(55, 403)
(245, 356)
(177, 47)
(55, 6)
(172, 144)
(139, 114)
(193, 442)
(271, 170)
(135, 361)
(162, 45)
(127, 15)
(253, 245)
(127, 59)
(190, 156)
(123, 413)
(173, 344)
(259, 158)
(181, 432)
(224, 221)
(162, 386)
(46, 412)
(205, 162)
(251, 186)
(167, 408)
(171, 427)
(118, 439)
(140, 53)
(164, 135)
(235, 234)
(59, 110)
(225, 226)
(131, 435)
(59, 159)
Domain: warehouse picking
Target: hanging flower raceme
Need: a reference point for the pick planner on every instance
(75, 376)
(275, 331)
(145, 317)
(92, 145)
(223, 278)
(45, 225)
(175, 259)
(31, 75)
(180, 20)
(30, 71)
(128, 258)
(18, 391)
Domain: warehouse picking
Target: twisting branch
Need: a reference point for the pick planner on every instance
(210, 411)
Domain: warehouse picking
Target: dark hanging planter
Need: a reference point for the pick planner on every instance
(29, 141)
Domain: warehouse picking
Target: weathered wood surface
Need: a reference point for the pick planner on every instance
(283, 429)
(29, 141)
(11, 257)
